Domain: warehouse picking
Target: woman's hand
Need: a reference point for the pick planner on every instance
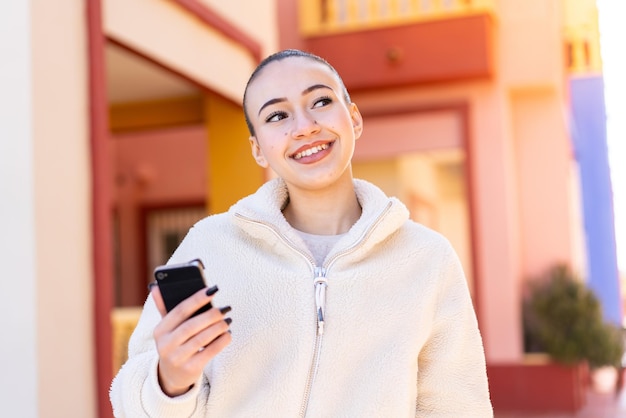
(185, 345)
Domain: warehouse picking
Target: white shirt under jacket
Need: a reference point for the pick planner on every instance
(399, 336)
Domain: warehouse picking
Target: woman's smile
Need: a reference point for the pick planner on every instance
(312, 153)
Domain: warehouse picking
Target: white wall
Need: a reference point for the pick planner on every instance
(18, 309)
(46, 350)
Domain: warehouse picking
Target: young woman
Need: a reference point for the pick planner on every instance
(341, 305)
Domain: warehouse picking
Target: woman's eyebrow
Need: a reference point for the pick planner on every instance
(283, 99)
(271, 102)
(315, 87)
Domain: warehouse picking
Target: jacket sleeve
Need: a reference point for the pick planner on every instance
(135, 391)
(452, 377)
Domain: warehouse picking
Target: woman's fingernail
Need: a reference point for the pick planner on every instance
(228, 320)
(151, 285)
(211, 291)
(225, 310)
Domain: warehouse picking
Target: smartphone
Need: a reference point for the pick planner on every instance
(179, 281)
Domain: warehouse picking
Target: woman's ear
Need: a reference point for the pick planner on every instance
(357, 120)
(257, 153)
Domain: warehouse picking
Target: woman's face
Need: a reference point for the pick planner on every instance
(304, 129)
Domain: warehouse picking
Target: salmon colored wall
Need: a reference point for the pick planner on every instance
(64, 266)
(531, 44)
(163, 166)
(578, 244)
(543, 158)
(152, 169)
(496, 210)
(411, 130)
(288, 26)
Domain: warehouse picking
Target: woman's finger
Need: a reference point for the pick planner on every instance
(158, 299)
(202, 357)
(205, 337)
(199, 330)
(184, 310)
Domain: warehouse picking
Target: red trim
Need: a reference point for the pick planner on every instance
(101, 207)
(214, 20)
(462, 109)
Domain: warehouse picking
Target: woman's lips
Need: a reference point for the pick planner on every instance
(310, 151)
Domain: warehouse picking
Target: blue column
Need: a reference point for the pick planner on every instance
(590, 145)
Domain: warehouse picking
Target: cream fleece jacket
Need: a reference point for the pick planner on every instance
(385, 328)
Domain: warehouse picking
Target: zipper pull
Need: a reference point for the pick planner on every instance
(320, 297)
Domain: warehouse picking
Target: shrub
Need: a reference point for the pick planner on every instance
(563, 318)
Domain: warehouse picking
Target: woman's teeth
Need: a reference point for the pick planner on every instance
(310, 151)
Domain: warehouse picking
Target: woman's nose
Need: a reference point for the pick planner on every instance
(304, 125)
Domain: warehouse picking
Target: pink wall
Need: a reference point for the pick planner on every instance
(410, 131)
(161, 167)
(543, 158)
(152, 169)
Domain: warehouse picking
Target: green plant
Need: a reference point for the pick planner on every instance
(563, 318)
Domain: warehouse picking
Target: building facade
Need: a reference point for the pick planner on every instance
(124, 126)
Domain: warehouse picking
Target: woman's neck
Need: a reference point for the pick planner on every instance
(328, 212)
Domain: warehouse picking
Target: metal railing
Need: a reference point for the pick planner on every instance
(582, 54)
(581, 34)
(328, 16)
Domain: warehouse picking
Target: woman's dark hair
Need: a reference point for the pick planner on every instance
(280, 55)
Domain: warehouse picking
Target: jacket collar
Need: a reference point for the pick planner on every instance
(260, 216)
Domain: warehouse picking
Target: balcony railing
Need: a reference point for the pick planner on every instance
(582, 37)
(319, 17)
(582, 54)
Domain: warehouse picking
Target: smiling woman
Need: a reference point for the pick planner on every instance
(341, 305)
(306, 133)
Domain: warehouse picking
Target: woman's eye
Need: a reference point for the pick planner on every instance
(276, 116)
(321, 102)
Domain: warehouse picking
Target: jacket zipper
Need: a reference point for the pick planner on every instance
(320, 285)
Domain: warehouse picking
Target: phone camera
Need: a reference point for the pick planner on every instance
(161, 275)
